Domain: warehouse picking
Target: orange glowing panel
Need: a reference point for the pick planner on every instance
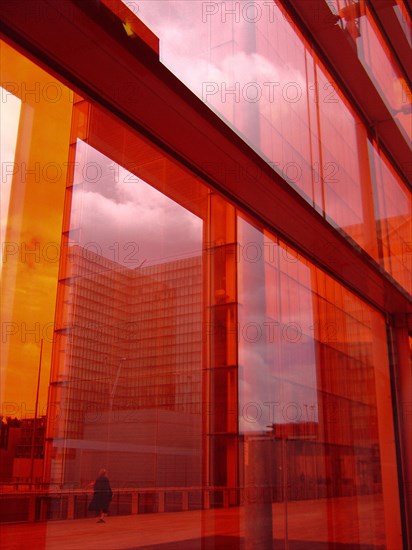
(32, 228)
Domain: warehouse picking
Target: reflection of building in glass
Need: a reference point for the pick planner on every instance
(10, 431)
(25, 445)
(21, 450)
(134, 346)
(130, 386)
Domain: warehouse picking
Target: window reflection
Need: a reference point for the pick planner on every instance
(404, 19)
(276, 353)
(382, 69)
(376, 57)
(310, 411)
(216, 373)
(120, 217)
(393, 212)
(131, 307)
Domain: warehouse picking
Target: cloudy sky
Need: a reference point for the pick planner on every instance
(126, 220)
(211, 49)
(277, 365)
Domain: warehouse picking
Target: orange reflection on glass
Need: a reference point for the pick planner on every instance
(36, 143)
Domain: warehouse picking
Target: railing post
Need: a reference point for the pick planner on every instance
(70, 506)
(185, 501)
(43, 506)
(32, 508)
(135, 502)
(206, 499)
(161, 507)
(226, 498)
(39, 504)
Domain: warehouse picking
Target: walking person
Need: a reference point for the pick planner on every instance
(102, 495)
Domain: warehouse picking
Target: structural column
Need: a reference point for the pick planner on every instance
(220, 382)
(401, 342)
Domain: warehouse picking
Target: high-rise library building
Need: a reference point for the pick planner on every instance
(207, 271)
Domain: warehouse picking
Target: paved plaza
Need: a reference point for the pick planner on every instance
(217, 529)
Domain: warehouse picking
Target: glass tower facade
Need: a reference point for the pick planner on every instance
(206, 273)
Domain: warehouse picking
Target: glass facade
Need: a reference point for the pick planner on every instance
(252, 66)
(377, 58)
(240, 392)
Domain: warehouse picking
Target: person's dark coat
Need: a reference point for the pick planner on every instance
(102, 496)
